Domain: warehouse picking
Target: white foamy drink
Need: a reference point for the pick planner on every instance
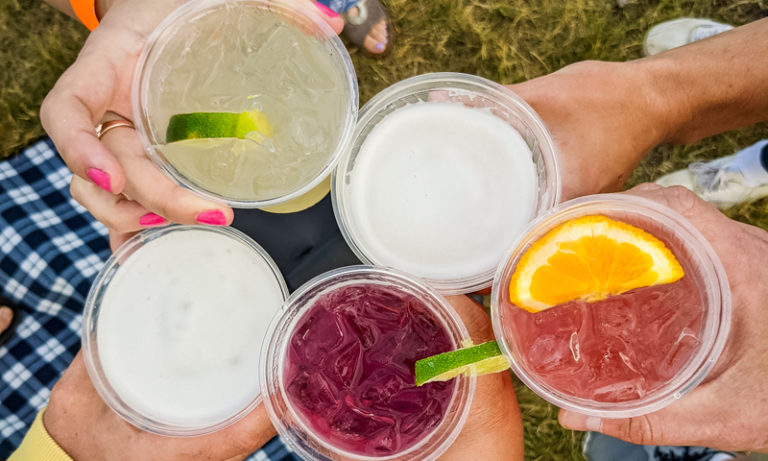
(180, 327)
(441, 190)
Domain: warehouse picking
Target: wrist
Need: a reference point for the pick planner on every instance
(666, 103)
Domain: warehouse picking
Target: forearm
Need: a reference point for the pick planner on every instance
(714, 85)
(38, 445)
(101, 7)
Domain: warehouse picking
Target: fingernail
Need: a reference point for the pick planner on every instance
(151, 220)
(327, 11)
(379, 46)
(212, 217)
(100, 178)
(579, 422)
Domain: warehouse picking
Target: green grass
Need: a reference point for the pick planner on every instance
(507, 41)
(37, 44)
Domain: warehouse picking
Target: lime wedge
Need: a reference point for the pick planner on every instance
(471, 361)
(251, 124)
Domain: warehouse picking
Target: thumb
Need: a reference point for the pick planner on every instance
(673, 425)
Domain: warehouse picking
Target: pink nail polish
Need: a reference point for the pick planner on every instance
(327, 11)
(100, 178)
(212, 217)
(151, 220)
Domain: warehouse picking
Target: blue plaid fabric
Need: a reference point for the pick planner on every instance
(50, 250)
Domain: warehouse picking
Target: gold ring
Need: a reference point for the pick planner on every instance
(102, 128)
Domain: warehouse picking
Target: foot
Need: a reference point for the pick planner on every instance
(679, 32)
(367, 26)
(376, 40)
(6, 318)
(726, 181)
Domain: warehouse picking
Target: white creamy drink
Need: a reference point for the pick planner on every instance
(180, 326)
(441, 190)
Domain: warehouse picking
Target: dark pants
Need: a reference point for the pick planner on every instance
(303, 244)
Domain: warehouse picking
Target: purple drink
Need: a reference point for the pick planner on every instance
(349, 371)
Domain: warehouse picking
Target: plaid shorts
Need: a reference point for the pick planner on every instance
(50, 251)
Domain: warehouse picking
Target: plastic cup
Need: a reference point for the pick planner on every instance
(699, 262)
(173, 324)
(488, 210)
(227, 56)
(292, 426)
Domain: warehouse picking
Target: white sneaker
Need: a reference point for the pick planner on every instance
(726, 181)
(679, 32)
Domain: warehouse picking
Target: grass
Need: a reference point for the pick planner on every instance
(507, 41)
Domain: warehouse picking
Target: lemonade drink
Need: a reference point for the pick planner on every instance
(174, 325)
(446, 170)
(239, 56)
(340, 369)
(629, 353)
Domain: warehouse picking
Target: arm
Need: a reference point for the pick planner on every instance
(38, 445)
(101, 7)
(494, 429)
(605, 116)
(78, 425)
(713, 85)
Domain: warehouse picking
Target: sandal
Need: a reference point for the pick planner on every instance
(357, 27)
(8, 332)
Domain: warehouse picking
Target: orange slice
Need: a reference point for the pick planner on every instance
(590, 258)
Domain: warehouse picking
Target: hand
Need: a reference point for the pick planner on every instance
(113, 177)
(604, 117)
(494, 429)
(83, 426)
(727, 411)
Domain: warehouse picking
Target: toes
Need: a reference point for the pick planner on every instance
(379, 32)
(376, 40)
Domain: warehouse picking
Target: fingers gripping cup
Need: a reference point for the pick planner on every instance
(173, 325)
(444, 172)
(339, 375)
(247, 102)
(612, 352)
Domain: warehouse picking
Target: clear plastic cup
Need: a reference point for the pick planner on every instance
(454, 245)
(699, 262)
(173, 325)
(232, 56)
(291, 424)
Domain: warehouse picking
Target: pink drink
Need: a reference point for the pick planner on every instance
(614, 350)
(349, 370)
(630, 354)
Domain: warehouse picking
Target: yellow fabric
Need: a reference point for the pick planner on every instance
(38, 445)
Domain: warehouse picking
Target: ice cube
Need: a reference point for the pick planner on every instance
(316, 336)
(381, 385)
(384, 442)
(679, 353)
(354, 421)
(427, 418)
(551, 353)
(346, 363)
(314, 392)
(619, 391)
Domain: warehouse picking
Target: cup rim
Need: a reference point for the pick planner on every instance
(283, 326)
(505, 97)
(139, 97)
(89, 329)
(715, 324)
